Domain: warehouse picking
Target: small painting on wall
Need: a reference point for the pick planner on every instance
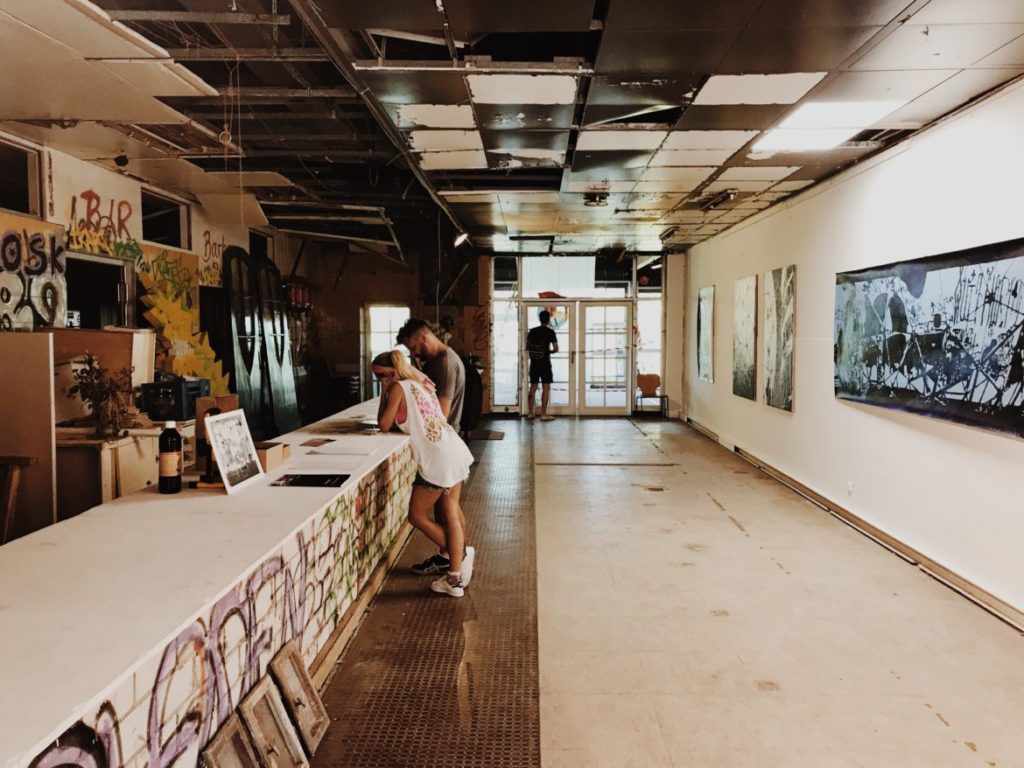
(705, 332)
(744, 338)
(779, 322)
(941, 336)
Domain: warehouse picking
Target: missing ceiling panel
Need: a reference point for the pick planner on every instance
(689, 173)
(466, 158)
(443, 141)
(685, 157)
(758, 172)
(741, 186)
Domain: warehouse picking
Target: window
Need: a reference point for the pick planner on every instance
(19, 179)
(164, 221)
(505, 334)
(383, 322)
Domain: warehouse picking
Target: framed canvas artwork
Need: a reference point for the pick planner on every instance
(705, 333)
(778, 330)
(744, 338)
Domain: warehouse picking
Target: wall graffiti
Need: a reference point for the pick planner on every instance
(33, 287)
(170, 293)
(211, 260)
(101, 228)
(300, 592)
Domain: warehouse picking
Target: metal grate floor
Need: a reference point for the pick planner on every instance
(429, 680)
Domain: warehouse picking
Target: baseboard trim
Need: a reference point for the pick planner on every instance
(323, 665)
(978, 595)
(708, 433)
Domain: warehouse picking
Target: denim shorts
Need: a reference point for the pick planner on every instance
(421, 483)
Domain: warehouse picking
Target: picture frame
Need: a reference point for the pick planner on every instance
(231, 747)
(274, 739)
(301, 698)
(234, 449)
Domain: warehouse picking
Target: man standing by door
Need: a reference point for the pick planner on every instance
(541, 343)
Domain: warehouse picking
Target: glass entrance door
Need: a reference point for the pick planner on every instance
(563, 364)
(606, 383)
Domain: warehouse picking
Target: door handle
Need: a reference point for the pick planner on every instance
(572, 357)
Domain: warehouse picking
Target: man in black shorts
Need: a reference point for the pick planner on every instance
(541, 343)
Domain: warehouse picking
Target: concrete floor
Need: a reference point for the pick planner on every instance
(693, 612)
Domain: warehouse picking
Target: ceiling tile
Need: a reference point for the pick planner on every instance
(815, 49)
(942, 46)
(742, 186)
(885, 85)
(418, 87)
(949, 95)
(525, 157)
(791, 186)
(522, 89)
(974, 12)
(439, 141)
(776, 14)
(655, 115)
(607, 173)
(758, 89)
(757, 172)
(668, 185)
(1010, 55)
(708, 139)
(672, 14)
(662, 50)
(434, 116)
(619, 140)
(690, 173)
(436, 161)
(600, 186)
(681, 157)
(731, 117)
(502, 117)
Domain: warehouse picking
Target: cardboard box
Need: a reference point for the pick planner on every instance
(271, 454)
(203, 404)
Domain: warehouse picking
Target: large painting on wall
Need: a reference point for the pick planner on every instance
(744, 337)
(779, 320)
(705, 332)
(939, 336)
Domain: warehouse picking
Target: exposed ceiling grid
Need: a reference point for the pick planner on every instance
(536, 126)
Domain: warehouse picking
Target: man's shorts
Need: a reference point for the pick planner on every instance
(540, 371)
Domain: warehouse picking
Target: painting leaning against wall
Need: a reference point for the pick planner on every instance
(941, 336)
(779, 323)
(705, 333)
(744, 337)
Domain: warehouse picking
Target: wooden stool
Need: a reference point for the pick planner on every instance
(10, 477)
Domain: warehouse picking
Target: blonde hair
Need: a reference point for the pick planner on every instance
(397, 360)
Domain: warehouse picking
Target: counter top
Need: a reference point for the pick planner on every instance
(82, 603)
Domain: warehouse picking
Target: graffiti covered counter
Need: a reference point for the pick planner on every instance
(128, 634)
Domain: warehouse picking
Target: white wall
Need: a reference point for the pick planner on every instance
(675, 333)
(954, 493)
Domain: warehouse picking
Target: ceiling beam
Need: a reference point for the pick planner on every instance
(327, 217)
(569, 66)
(339, 136)
(283, 92)
(202, 17)
(218, 115)
(248, 54)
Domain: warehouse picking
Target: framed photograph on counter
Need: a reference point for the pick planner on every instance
(234, 449)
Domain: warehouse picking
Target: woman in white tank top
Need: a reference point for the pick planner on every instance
(442, 463)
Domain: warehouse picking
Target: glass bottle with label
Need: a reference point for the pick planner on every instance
(170, 459)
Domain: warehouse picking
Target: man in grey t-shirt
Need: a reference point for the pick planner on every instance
(441, 364)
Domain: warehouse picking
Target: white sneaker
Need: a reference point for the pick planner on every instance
(467, 565)
(442, 586)
(545, 417)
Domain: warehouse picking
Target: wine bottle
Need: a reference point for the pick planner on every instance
(170, 459)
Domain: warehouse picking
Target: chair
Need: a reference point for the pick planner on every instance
(648, 386)
(10, 477)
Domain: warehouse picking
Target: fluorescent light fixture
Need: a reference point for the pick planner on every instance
(461, 238)
(839, 114)
(824, 125)
(656, 266)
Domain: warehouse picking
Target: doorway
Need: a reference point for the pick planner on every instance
(593, 369)
(98, 291)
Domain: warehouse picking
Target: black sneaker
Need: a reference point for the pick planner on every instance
(433, 564)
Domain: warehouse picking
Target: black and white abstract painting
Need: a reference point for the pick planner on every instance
(939, 336)
(779, 320)
(744, 337)
(705, 332)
